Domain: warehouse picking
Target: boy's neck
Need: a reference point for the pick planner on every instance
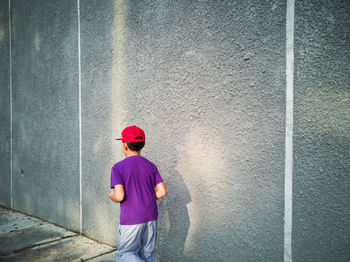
(132, 153)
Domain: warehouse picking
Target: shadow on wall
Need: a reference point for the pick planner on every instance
(174, 220)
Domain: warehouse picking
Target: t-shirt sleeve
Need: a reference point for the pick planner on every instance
(158, 178)
(116, 177)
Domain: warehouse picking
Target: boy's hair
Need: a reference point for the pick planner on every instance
(135, 146)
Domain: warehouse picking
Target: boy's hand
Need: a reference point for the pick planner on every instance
(117, 194)
(160, 190)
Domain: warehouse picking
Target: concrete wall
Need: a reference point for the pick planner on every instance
(322, 132)
(5, 122)
(206, 81)
(100, 149)
(45, 110)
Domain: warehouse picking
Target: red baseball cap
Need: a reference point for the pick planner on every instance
(133, 134)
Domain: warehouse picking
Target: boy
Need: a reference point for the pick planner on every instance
(136, 185)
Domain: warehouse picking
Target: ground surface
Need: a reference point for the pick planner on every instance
(26, 238)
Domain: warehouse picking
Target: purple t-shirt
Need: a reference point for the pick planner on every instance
(139, 176)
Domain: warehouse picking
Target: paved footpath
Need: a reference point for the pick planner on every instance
(26, 238)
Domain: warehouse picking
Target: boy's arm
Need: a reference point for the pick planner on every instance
(117, 194)
(160, 190)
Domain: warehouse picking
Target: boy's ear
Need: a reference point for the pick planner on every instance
(125, 146)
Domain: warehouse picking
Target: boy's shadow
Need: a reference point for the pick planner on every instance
(174, 219)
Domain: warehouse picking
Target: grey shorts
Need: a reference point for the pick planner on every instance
(137, 242)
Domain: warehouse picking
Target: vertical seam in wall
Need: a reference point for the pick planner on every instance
(288, 183)
(80, 133)
(10, 75)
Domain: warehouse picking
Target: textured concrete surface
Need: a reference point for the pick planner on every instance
(25, 238)
(206, 81)
(100, 214)
(35, 235)
(109, 257)
(321, 231)
(210, 76)
(5, 126)
(75, 248)
(11, 221)
(45, 110)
